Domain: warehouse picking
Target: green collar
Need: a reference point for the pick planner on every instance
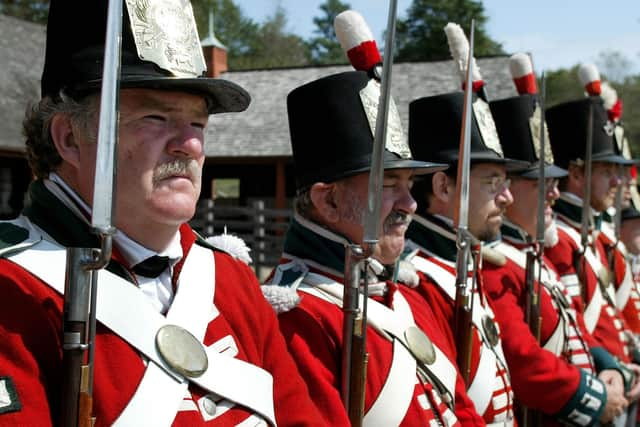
(308, 240)
(513, 233)
(49, 213)
(434, 235)
(569, 208)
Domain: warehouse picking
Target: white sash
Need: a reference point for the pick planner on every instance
(392, 402)
(556, 342)
(481, 388)
(593, 309)
(126, 311)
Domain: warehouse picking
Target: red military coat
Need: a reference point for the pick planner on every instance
(432, 247)
(30, 347)
(555, 374)
(627, 293)
(602, 319)
(313, 329)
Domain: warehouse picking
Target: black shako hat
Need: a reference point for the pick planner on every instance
(517, 120)
(160, 50)
(332, 125)
(568, 124)
(434, 131)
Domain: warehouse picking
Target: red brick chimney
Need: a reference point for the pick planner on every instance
(215, 53)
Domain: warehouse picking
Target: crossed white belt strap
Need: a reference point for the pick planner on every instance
(555, 343)
(480, 390)
(392, 402)
(594, 308)
(125, 310)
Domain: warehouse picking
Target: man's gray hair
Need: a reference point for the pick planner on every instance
(41, 152)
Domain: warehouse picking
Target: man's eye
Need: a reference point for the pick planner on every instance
(155, 117)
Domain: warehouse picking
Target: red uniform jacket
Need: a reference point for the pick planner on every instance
(430, 238)
(30, 339)
(555, 384)
(313, 328)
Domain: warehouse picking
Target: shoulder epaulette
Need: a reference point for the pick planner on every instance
(11, 236)
(227, 243)
(491, 255)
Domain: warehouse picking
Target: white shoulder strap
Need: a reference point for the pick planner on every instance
(480, 390)
(125, 310)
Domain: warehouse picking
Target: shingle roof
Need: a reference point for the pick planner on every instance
(261, 131)
(22, 53)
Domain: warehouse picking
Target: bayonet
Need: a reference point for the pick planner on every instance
(464, 293)
(354, 355)
(80, 298)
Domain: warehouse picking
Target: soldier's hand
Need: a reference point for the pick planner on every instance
(616, 402)
(634, 392)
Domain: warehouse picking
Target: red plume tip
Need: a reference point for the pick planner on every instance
(476, 86)
(593, 88)
(526, 84)
(615, 112)
(365, 56)
(634, 171)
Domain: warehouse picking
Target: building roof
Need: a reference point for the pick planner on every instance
(261, 131)
(22, 53)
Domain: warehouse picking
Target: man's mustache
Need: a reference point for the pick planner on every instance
(396, 218)
(184, 167)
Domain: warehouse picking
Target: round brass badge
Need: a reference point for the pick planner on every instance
(420, 345)
(182, 351)
(490, 330)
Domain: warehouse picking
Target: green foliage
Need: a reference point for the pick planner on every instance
(564, 85)
(251, 45)
(421, 37)
(324, 48)
(29, 10)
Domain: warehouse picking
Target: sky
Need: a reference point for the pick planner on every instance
(558, 33)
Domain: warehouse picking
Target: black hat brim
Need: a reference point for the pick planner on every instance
(614, 158)
(418, 167)
(222, 96)
(488, 156)
(629, 213)
(550, 171)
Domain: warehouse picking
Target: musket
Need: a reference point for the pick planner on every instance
(585, 224)
(533, 268)
(354, 355)
(464, 292)
(81, 284)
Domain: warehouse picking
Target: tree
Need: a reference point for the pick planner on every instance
(30, 10)
(275, 46)
(421, 37)
(324, 48)
(238, 32)
(614, 64)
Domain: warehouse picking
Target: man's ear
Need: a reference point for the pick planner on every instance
(324, 201)
(441, 187)
(576, 173)
(63, 139)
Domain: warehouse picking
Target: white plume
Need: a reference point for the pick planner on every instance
(609, 95)
(231, 244)
(520, 65)
(351, 29)
(282, 299)
(588, 73)
(459, 48)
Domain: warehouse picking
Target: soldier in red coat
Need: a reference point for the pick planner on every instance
(331, 122)
(560, 377)
(164, 286)
(584, 271)
(434, 132)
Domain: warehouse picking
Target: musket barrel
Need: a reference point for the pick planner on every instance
(104, 180)
(376, 175)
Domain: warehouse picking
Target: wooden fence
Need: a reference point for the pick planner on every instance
(263, 229)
